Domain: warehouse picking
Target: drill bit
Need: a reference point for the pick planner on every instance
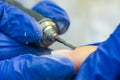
(65, 42)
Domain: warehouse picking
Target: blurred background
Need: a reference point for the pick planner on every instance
(91, 20)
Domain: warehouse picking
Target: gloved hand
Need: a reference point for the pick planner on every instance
(17, 30)
(104, 63)
(50, 10)
(12, 41)
(31, 67)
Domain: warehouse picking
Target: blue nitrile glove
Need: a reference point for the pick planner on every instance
(31, 67)
(17, 29)
(50, 10)
(104, 63)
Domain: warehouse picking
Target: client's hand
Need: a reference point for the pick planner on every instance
(77, 56)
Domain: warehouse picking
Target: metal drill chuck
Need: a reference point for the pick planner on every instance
(49, 32)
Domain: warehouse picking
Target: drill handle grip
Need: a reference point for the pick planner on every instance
(32, 13)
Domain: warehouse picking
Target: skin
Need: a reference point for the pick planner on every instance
(77, 56)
